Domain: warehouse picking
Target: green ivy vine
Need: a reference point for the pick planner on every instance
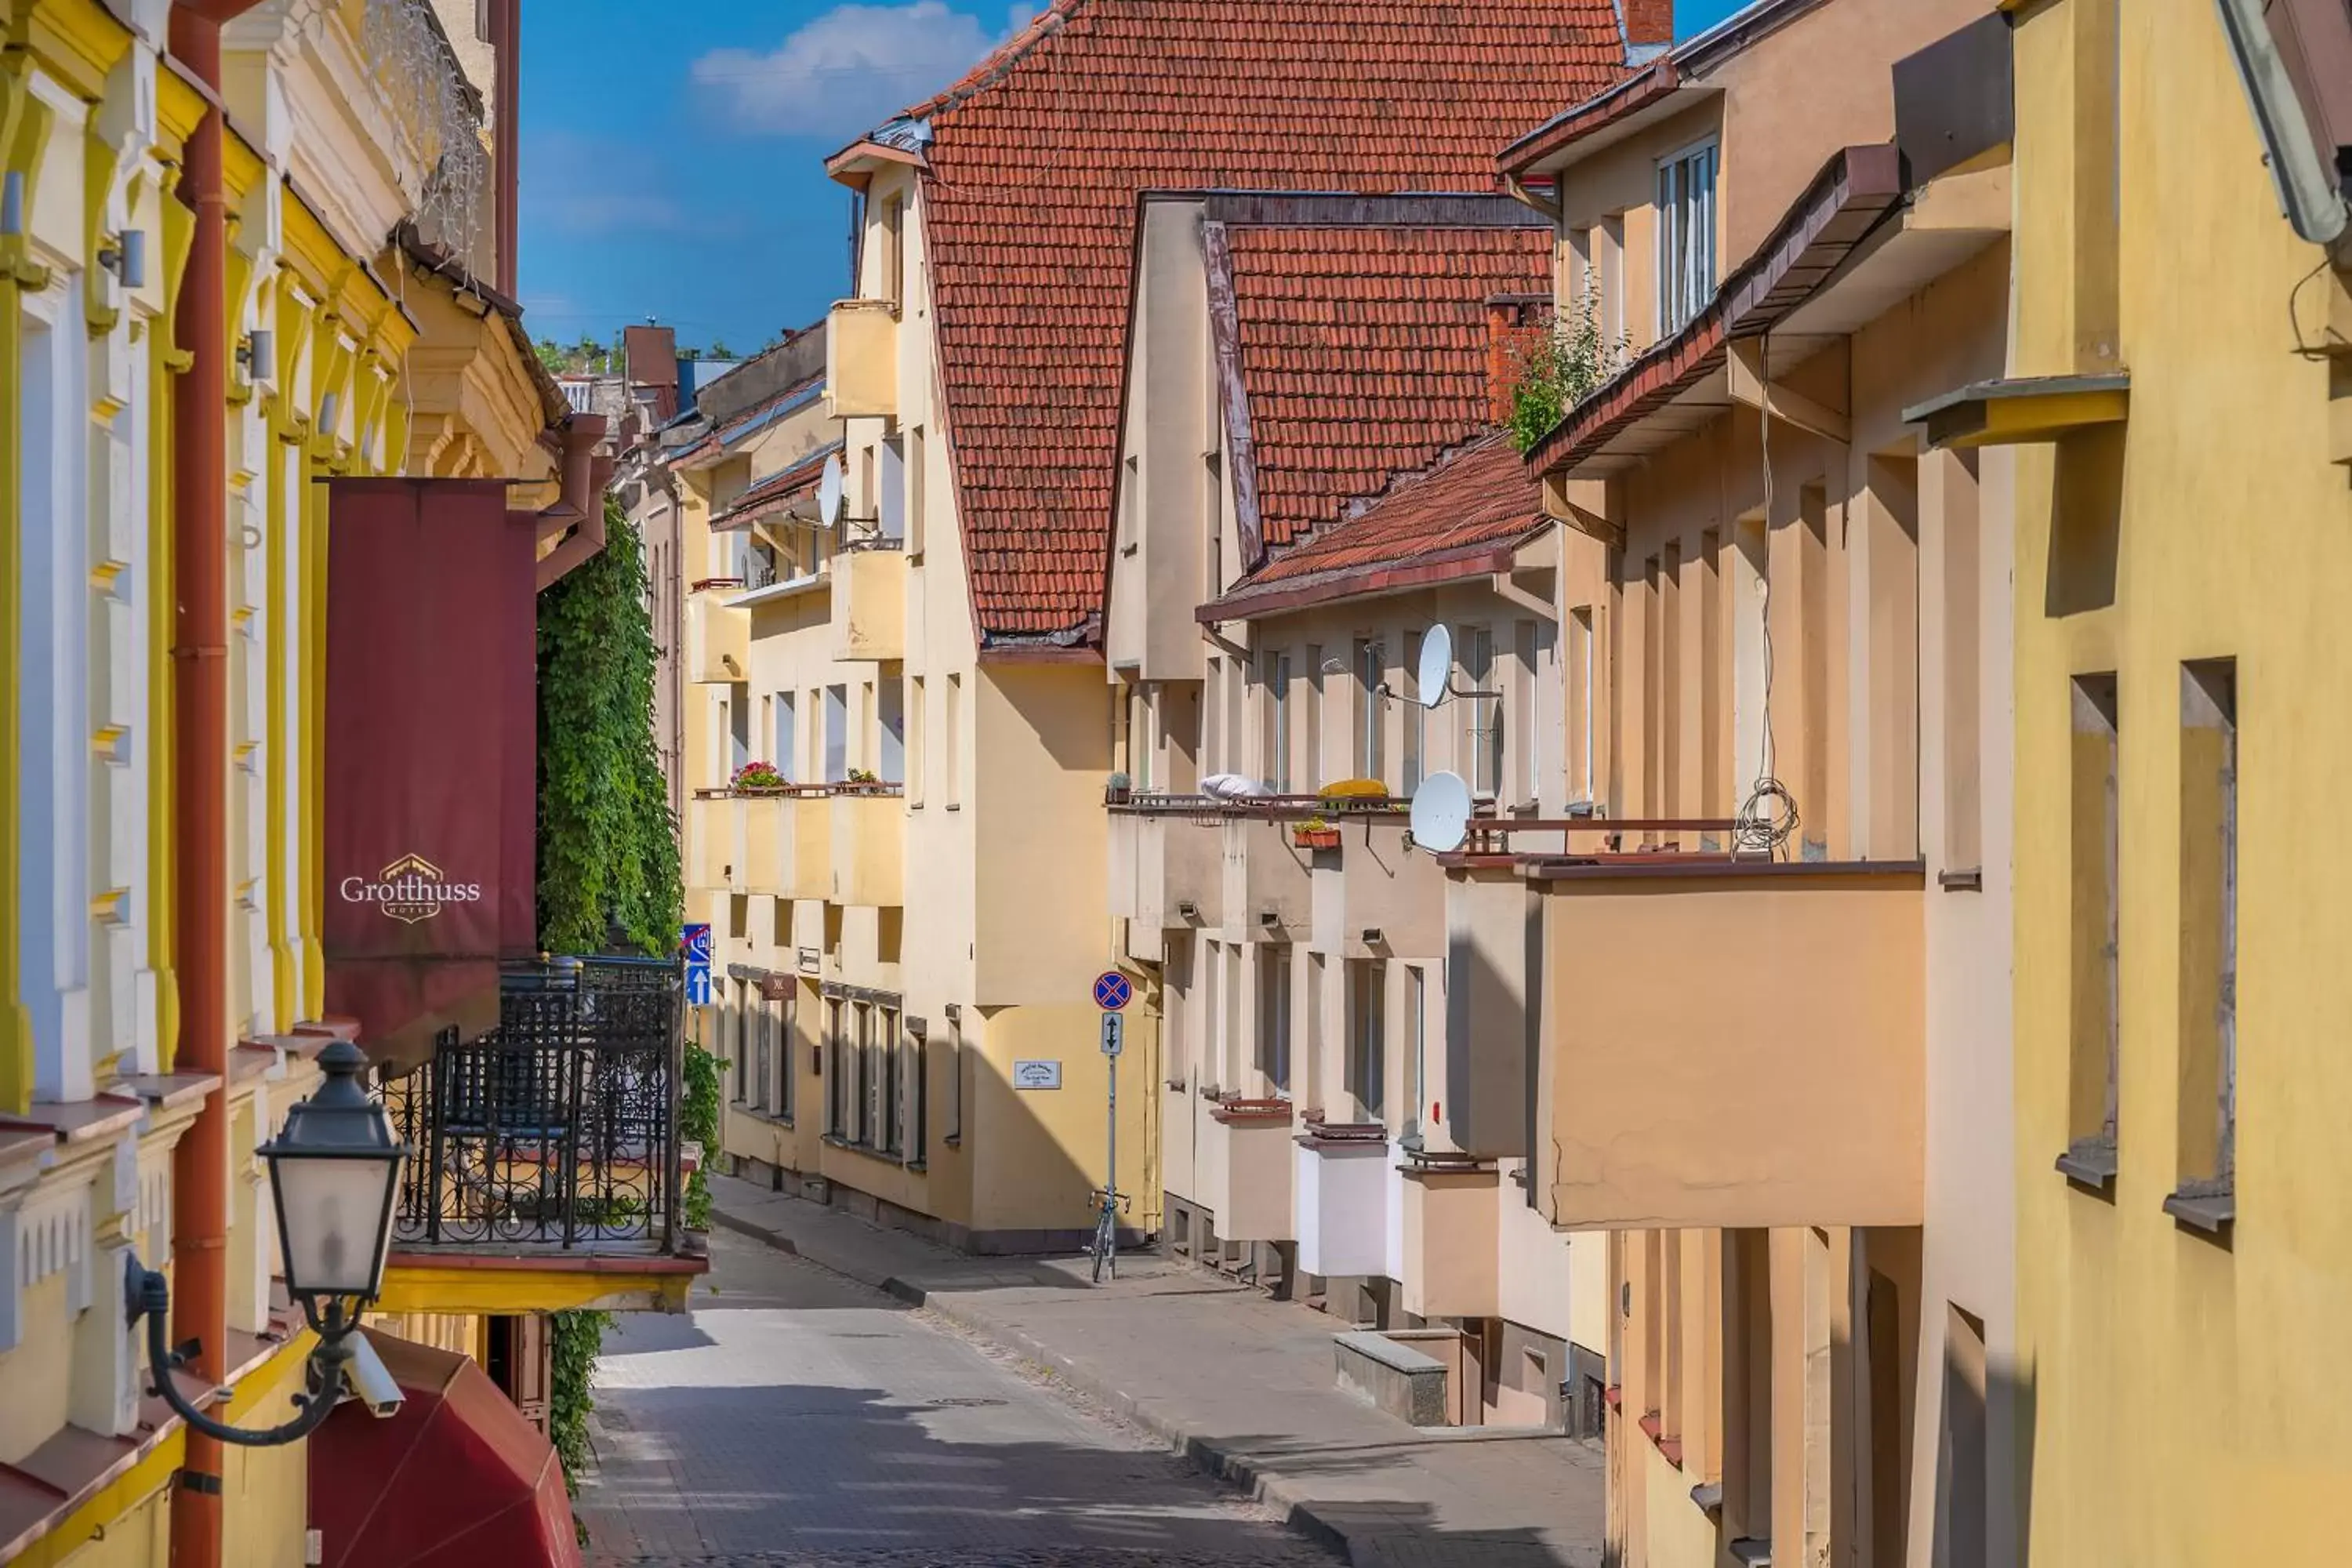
(608, 858)
(699, 1123)
(607, 841)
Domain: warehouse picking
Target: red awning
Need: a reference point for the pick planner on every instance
(456, 1480)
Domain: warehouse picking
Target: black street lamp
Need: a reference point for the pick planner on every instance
(334, 1172)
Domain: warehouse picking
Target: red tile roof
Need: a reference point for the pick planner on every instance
(1035, 160)
(1364, 353)
(778, 491)
(1460, 517)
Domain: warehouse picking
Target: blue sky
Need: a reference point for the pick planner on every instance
(672, 150)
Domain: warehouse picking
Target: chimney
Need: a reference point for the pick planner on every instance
(1648, 23)
(1515, 323)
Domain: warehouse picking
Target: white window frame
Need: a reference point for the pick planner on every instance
(1686, 229)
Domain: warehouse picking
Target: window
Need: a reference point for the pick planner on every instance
(1482, 736)
(1416, 1061)
(738, 1023)
(1368, 1036)
(1214, 721)
(918, 725)
(788, 737)
(1314, 778)
(1409, 676)
(836, 733)
(1142, 735)
(892, 1061)
(2093, 1038)
(739, 728)
(869, 1078)
(890, 725)
(890, 497)
(1961, 1501)
(1580, 704)
(1530, 645)
(1748, 1387)
(1962, 654)
(1685, 236)
(787, 1031)
(1130, 480)
(1274, 1015)
(1276, 762)
(763, 1048)
(953, 760)
(894, 251)
(1371, 657)
(919, 1095)
(915, 496)
(2209, 940)
(1212, 552)
(1318, 1068)
(955, 1079)
(837, 1099)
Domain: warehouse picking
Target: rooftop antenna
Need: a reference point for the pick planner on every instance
(1441, 812)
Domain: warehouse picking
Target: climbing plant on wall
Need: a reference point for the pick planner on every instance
(607, 842)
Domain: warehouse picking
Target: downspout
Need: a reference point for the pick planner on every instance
(579, 508)
(200, 756)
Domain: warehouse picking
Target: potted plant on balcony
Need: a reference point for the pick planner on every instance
(1315, 833)
(756, 777)
(1117, 789)
(861, 779)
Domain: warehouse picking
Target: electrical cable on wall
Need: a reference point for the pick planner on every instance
(1768, 817)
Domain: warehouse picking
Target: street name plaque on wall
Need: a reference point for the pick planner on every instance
(1036, 1075)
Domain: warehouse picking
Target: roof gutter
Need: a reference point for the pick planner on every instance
(1358, 583)
(2307, 191)
(580, 506)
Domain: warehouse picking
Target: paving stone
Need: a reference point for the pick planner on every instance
(795, 1417)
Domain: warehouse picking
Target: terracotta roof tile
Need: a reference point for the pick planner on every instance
(1035, 161)
(1475, 501)
(1364, 353)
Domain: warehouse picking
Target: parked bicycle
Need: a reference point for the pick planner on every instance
(1104, 1249)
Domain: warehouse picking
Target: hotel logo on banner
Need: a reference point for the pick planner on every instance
(411, 890)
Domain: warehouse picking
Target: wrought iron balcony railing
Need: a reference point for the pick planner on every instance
(559, 1127)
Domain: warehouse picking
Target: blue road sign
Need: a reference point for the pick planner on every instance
(1112, 991)
(698, 986)
(696, 938)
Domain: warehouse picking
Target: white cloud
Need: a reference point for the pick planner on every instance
(849, 70)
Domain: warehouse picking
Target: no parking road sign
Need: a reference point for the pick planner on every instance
(1113, 991)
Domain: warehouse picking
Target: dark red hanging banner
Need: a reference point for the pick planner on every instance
(431, 756)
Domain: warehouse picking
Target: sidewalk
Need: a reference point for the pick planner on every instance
(1242, 1384)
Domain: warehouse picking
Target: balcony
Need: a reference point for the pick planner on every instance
(720, 848)
(1493, 968)
(717, 635)
(861, 359)
(1244, 1169)
(1452, 1266)
(808, 824)
(1167, 865)
(868, 829)
(869, 602)
(546, 1171)
(1732, 1044)
(1268, 895)
(1343, 1177)
(1372, 897)
(767, 842)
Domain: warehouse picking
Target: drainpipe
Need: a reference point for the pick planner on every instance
(200, 763)
(579, 508)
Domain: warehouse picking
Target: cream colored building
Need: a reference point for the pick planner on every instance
(1772, 1063)
(1322, 1133)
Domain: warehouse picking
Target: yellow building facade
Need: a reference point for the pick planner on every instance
(2177, 407)
(323, 309)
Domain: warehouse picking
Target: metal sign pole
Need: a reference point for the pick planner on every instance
(1110, 1141)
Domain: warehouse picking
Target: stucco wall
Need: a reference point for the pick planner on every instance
(2235, 541)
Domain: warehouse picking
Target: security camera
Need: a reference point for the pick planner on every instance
(369, 1381)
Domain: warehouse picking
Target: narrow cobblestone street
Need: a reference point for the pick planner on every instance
(797, 1418)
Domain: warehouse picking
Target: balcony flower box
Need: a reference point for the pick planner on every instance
(1315, 835)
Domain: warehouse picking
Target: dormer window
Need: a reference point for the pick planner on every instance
(1686, 235)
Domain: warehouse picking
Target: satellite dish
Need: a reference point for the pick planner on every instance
(1441, 812)
(828, 492)
(1436, 675)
